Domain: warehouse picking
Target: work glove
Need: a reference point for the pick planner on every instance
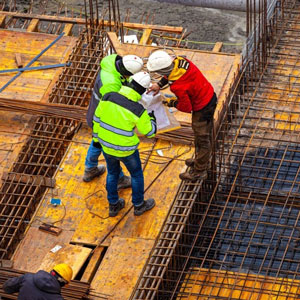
(171, 103)
(152, 116)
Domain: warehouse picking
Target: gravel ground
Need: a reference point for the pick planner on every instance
(206, 26)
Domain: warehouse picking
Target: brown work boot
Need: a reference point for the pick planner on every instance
(91, 173)
(115, 208)
(124, 182)
(193, 176)
(190, 162)
(147, 205)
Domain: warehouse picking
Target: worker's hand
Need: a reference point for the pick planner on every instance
(171, 103)
(154, 88)
(152, 116)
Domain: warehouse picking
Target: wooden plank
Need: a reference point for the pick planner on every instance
(217, 47)
(73, 255)
(33, 25)
(68, 29)
(121, 267)
(146, 36)
(83, 21)
(38, 243)
(93, 265)
(2, 21)
(30, 179)
(18, 58)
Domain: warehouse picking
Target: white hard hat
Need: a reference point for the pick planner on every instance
(159, 60)
(142, 78)
(140, 82)
(132, 63)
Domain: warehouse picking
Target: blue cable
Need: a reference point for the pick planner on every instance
(32, 61)
(35, 68)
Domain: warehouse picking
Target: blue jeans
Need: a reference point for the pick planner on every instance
(134, 166)
(91, 160)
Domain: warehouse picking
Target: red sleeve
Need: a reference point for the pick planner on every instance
(184, 102)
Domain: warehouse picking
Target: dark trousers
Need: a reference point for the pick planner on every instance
(202, 125)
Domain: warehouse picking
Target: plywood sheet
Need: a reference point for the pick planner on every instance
(203, 283)
(70, 188)
(121, 267)
(34, 247)
(95, 227)
(31, 85)
(73, 255)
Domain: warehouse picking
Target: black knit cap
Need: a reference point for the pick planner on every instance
(137, 87)
(120, 66)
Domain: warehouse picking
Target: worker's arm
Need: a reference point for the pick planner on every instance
(155, 87)
(183, 102)
(13, 285)
(146, 124)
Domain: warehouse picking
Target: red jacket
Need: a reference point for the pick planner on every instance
(192, 89)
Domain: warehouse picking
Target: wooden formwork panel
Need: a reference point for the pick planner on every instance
(34, 247)
(121, 267)
(212, 284)
(219, 68)
(31, 85)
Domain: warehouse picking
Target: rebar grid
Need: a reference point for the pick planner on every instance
(40, 157)
(240, 237)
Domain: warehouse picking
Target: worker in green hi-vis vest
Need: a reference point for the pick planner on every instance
(113, 74)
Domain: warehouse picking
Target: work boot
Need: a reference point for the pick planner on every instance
(115, 208)
(147, 205)
(124, 182)
(91, 173)
(190, 162)
(193, 176)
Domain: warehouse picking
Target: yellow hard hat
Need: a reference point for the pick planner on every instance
(65, 271)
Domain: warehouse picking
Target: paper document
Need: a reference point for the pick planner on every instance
(154, 103)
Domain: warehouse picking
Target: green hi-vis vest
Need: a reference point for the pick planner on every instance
(115, 119)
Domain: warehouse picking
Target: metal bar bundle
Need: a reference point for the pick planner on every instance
(74, 290)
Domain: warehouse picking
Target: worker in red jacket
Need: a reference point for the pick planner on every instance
(194, 94)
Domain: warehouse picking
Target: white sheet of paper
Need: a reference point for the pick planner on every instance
(153, 103)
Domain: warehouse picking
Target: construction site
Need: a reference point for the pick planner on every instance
(235, 235)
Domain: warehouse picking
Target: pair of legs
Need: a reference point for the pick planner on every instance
(92, 169)
(134, 167)
(202, 125)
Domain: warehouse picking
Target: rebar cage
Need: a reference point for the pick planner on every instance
(237, 235)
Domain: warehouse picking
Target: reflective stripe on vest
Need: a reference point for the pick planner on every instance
(115, 147)
(96, 96)
(112, 128)
(153, 130)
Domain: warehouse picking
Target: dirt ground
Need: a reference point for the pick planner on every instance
(206, 26)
